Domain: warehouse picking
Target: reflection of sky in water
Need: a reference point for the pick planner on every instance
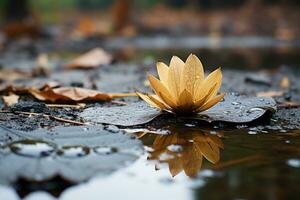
(139, 181)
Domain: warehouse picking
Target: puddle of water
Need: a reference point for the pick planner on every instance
(231, 164)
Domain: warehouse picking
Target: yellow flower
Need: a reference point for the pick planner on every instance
(182, 88)
(193, 146)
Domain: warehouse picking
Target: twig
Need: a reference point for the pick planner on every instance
(119, 102)
(45, 115)
(80, 105)
(289, 105)
(120, 95)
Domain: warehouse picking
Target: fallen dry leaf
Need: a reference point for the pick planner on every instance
(270, 94)
(182, 87)
(74, 94)
(42, 66)
(10, 100)
(285, 82)
(92, 59)
(13, 74)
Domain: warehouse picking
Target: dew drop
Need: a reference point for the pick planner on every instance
(112, 128)
(105, 150)
(255, 110)
(32, 148)
(73, 151)
(235, 103)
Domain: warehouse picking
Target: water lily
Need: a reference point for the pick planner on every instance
(184, 151)
(182, 87)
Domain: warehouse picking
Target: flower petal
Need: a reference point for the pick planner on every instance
(148, 100)
(159, 102)
(185, 101)
(192, 71)
(211, 102)
(161, 91)
(175, 70)
(213, 78)
(163, 72)
(204, 99)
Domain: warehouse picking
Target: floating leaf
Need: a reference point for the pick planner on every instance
(182, 88)
(128, 115)
(92, 59)
(75, 153)
(233, 109)
(239, 109)
(74, 94)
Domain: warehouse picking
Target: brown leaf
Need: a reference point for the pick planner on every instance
(13, 74)
(270, 94)
(285, 82)
(10, 99)
(73, 94)
(92, 59)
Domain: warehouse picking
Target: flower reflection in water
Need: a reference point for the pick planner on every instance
(184, 151)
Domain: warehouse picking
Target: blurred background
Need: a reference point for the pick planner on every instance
(161, 28)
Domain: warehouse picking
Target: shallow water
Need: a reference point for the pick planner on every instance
(250, 166)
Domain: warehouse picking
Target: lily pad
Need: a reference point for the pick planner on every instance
(233, 109)
(238, 109)
(128, 115)
(74, 153)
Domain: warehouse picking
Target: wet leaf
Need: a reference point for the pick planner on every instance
(239, 109)
(128, 115)
(74, 94)
(92, 59)
(233, 109)
(75, 153)
(10, 99)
